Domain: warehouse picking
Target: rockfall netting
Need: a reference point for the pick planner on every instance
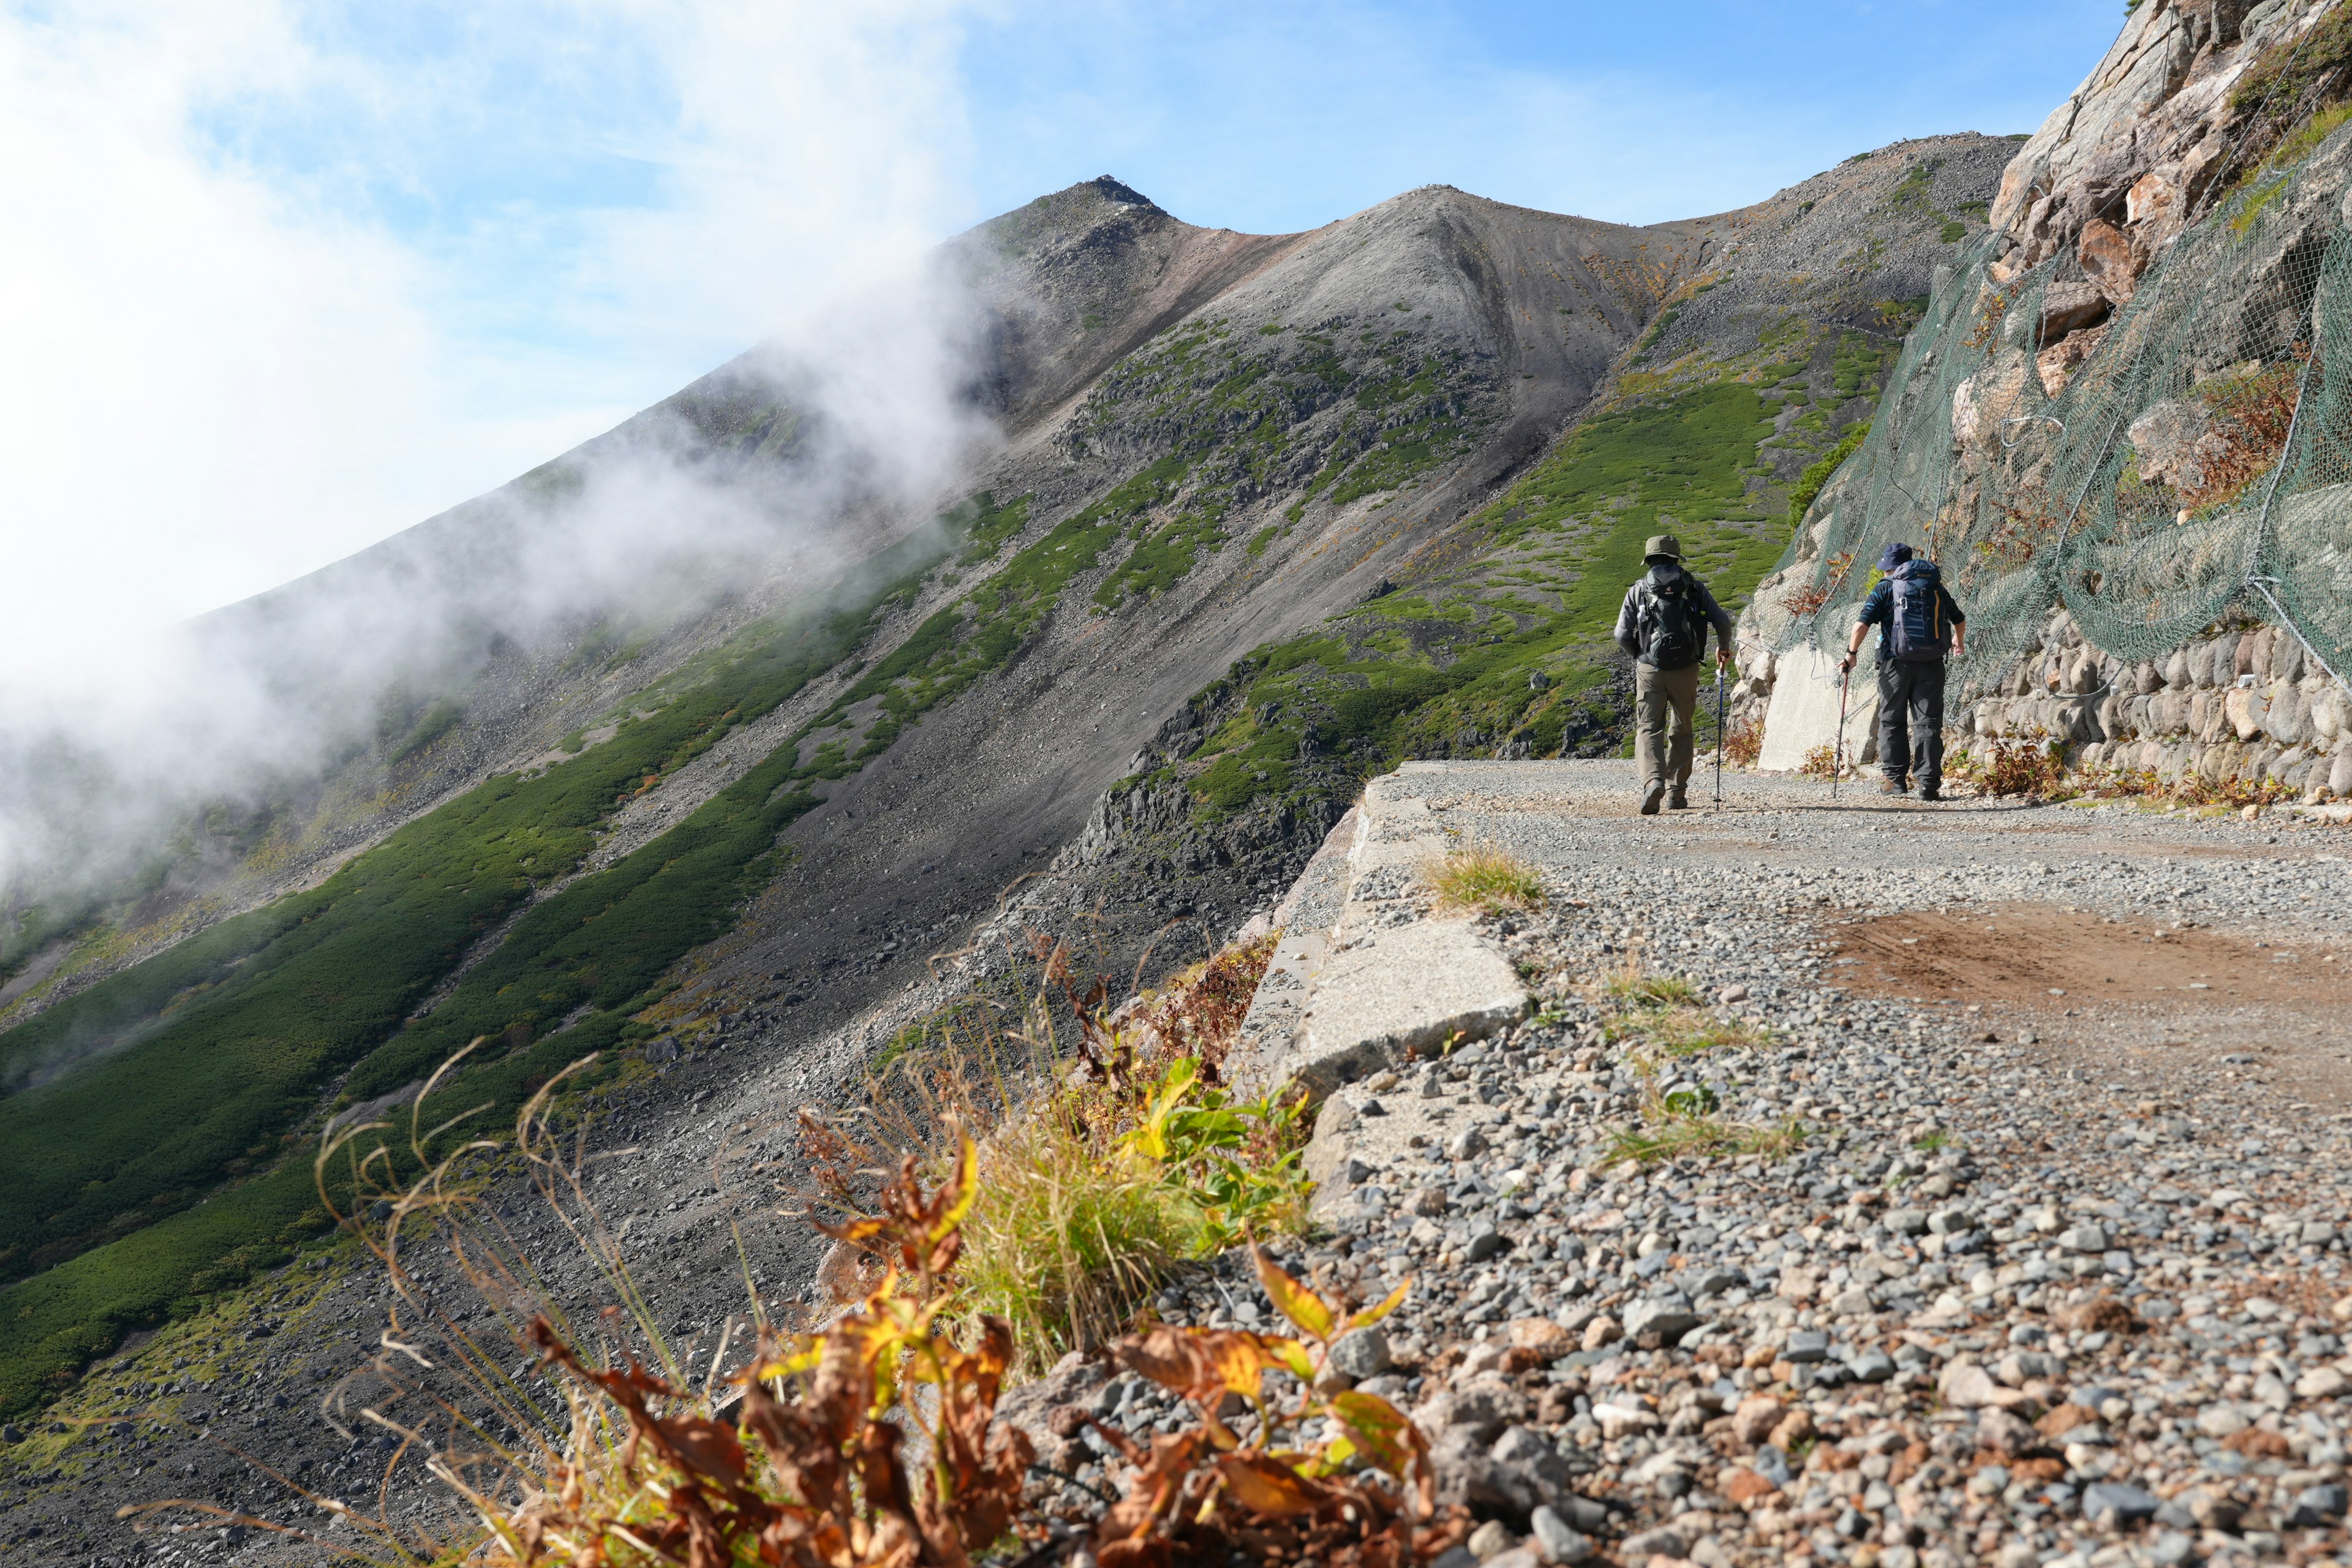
(2155, 457)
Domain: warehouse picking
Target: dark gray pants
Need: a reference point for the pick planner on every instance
(1911, 721)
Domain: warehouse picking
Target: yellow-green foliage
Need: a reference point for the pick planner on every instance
(1067, 1245)
(1685, 1031)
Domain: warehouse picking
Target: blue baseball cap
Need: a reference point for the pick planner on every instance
(1896, 554)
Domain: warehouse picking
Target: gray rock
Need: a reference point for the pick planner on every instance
(1480, 1482)
(2113, 1504)
(1556, 1538)
(2083, 1239)
(1907, 1222)
(1660, 1542)
(1466, 1144)
(1531, 1454)
(1489, 1541)
(1479, 1411)
(1873, 1365)
(2316, 1508)
(1655, 1323)
(1806, 1345)
(1716, 1281)
(1484, 1242)
(2067, 306)
(1360, 1353)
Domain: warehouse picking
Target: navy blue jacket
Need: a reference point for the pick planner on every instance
(1878, 610)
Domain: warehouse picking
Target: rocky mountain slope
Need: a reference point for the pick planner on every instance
(1262, 514)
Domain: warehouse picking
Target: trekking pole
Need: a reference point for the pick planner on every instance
(1837, 757)
(1718, 737)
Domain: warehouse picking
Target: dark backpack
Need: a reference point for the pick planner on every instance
(1674, 635)
(1916, 632)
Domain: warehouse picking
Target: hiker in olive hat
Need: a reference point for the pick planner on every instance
(1664, 625)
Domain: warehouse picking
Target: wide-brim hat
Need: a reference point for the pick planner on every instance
(1664, 545)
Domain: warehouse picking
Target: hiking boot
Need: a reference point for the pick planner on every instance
(1650, 797)
(1895, 786)
(1931, 792)
(1678, 800)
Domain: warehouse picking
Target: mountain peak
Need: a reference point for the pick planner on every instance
(1111, 188)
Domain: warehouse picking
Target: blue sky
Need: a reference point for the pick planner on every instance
(283, 276)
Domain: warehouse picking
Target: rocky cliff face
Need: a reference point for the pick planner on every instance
(2116, 426)
(2190, 92)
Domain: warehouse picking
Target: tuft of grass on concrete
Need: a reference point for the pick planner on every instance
(1483, 878)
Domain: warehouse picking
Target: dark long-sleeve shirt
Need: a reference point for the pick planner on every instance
(1628, 620)
(1878, 610)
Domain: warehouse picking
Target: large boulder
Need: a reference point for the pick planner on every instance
(2177, 443)
(2108, 259)
(2245, 708)
(2069, 306)
(2287, 718)
(2331, 717)
(1992, 394)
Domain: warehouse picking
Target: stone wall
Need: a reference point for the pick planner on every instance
(2245, 704)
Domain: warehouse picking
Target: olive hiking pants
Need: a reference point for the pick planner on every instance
(1664, 701)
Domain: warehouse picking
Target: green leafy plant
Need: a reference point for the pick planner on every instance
(1688, 1123)
(1817, 475)
(1688, 1031)
(1113, 1156)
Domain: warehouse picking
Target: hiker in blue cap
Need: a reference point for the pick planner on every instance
(1664, 625)
(1918, 624)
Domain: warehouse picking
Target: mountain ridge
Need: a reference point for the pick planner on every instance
(1281, 430)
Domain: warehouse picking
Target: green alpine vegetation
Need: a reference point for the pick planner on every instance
(182, 1081)
(161, 1158)
(1511, 653)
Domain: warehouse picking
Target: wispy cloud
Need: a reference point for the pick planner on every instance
(261, 312)
(283, 277)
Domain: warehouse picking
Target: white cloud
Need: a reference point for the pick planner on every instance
(247, 330)
(281, 280)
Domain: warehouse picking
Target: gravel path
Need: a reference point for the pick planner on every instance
(2049, 1279)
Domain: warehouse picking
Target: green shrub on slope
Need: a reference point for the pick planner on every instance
(1408, 674)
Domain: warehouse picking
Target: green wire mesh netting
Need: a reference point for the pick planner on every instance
(2153, 466)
